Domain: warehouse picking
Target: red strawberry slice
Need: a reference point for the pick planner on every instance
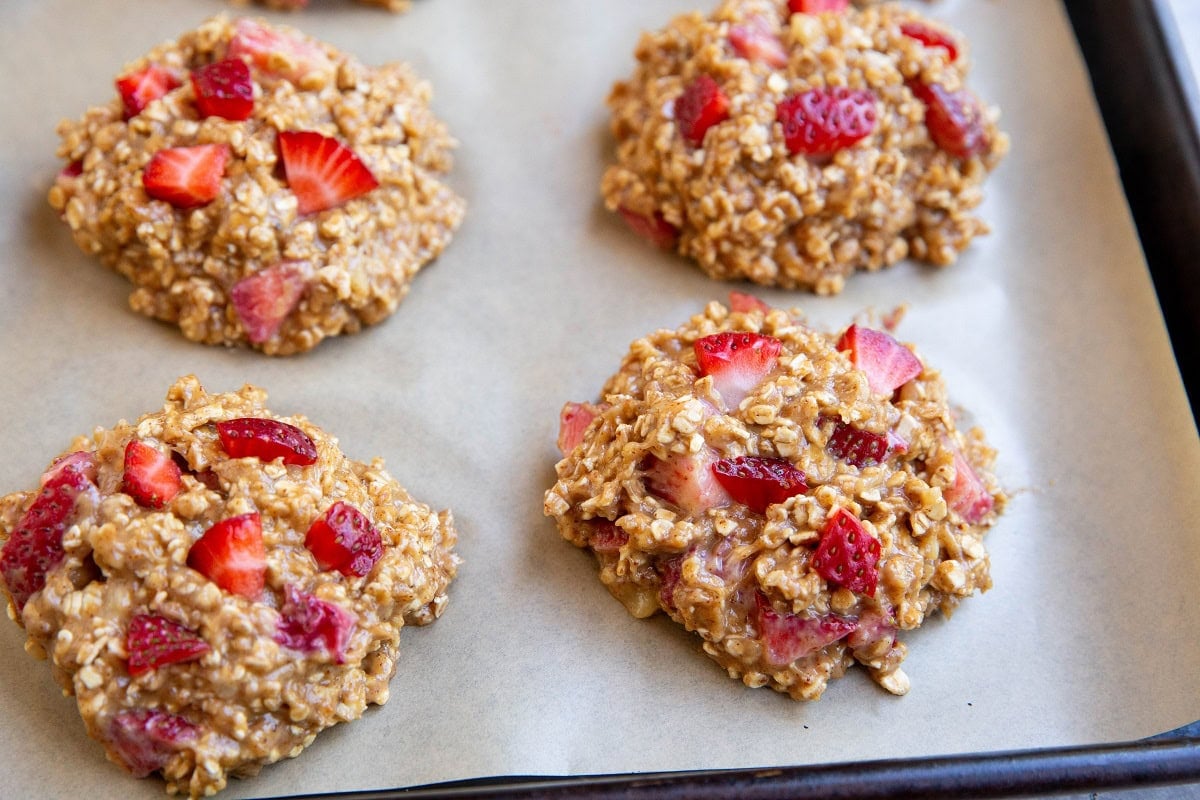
(153, 641)
(847, 555)
(758, 482)
(968, 496)
(688, 481)
(276, 52)
(81, 461)
(573, 420)
(151, 477)
(142, 87)
(818, 6)
(860, 448)
(264, 300)
(887, 363)
(740, 301)
(670, 572)
(654, 229)
(312, 625)
(755, 41)
(321, 171)
(954, 119)
(931, 36)
(343, 539)
(266, 440)
(823, 121)
(224, 89)
(144, 740)
(231, 555)
(35, 545)
(186, 177)
(605, 537)
(790, 636)
(737, 362)
(701, 106)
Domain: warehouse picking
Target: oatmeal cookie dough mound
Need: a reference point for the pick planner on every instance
(216, 584)
(258, 186)
(794, 498)
(791, 149)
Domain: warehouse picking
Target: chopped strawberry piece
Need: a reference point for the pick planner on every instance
(670, 572)
(72, 170)
(142, 87)
(887, 363)
(847, 555)
(231, 555)
(740, 301)
(344, 539)
(35, 545)
(755, 41)
(954, 119)
(758, 482)
(276, 52)
(823, 121)
(931, 36)
(857, 447)
(968, 496)
(818, 6)
(701, 106)
(310, 625)
(790, 636)
(144, 741)
(186, 177)
(151, 477)
(688, 481)
(266, 298)
(573, 420)
(224, 89)
(654, 229)
(321, 171)
(266, 440)
(737, 362)
(153, 641)
(605, 537)
(80, 461)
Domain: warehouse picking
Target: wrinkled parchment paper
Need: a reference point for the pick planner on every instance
(1047, 332)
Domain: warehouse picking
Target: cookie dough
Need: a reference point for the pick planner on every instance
(260, 187)
(791, 149)
(796, 499)
(216, 584)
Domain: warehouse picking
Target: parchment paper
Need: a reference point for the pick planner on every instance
(1047, 332)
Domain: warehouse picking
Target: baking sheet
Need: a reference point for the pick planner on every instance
(1047, 332)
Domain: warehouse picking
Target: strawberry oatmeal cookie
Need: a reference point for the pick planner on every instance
(794, 498)
(216, 584)
(258, 186)
(792, 143)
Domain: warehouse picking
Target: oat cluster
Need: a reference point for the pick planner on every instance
(248, 696)
(354, 262)
(745, 207)
(746, 581)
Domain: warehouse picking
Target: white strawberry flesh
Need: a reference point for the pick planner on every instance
(887, 364)
(687, 481)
